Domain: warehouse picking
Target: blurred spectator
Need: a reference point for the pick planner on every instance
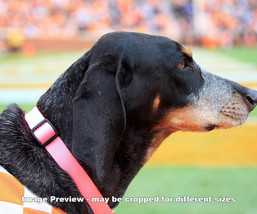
(226, 22)
(15, 39)
(208, 22)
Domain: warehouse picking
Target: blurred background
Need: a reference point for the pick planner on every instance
(200, 22)
(40, 39)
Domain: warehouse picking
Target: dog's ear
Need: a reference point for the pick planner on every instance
(99, 118)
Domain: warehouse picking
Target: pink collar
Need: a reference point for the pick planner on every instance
(44, 132)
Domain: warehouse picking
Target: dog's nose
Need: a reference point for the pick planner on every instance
(251, 98)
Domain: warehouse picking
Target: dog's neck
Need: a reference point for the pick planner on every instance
(57, 105)
(130, 156)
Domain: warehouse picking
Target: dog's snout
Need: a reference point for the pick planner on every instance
(251, 98)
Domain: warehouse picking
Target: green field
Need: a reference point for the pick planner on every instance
(172, 182)
(25, 107)
(245, 54)
(178, 179)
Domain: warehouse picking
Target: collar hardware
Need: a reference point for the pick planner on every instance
(44, 142)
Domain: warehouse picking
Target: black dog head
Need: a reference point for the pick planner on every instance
(127, 94)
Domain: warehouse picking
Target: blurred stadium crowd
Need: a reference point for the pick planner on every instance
(205, 22)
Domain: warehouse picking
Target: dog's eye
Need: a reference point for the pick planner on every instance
(182, 64)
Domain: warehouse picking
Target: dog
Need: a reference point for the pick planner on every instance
(113, 107)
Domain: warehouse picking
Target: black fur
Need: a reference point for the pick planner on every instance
(102, 107)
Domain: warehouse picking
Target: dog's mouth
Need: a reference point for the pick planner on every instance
(210, 127)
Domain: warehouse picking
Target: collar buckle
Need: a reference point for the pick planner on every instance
(44, 133)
